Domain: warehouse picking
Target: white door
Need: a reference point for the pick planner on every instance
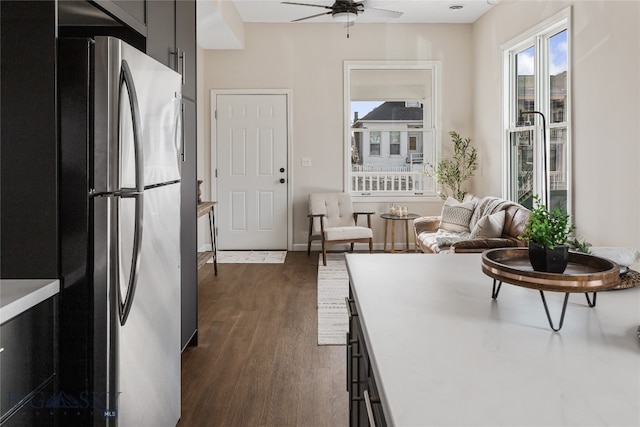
(251, 139)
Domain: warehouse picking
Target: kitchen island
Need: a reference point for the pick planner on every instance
(440, 351)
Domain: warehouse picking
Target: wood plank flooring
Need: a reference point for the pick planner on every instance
(257, 362)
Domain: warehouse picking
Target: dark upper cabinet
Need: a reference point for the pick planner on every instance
(28, 169)
(135, 8)
(161, 31)
(171, 39)
(186, 44)
(131, 13)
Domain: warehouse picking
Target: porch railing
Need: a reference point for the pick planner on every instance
(370, 179)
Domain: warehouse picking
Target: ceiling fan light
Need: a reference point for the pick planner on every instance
(344, 17)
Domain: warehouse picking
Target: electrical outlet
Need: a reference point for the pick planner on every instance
(306, 161)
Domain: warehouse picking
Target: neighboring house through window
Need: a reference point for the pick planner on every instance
(537, 79)
(392, 127)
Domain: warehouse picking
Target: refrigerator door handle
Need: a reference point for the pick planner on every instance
(126, 82)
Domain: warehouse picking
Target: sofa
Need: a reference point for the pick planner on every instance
(473, 225)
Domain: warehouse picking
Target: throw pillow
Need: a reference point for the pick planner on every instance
(456, 215)
(489, 226)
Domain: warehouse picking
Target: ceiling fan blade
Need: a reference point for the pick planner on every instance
(382, 13)
(312, 16)
(306, 4)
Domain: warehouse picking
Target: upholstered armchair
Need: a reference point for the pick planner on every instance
(333, 221)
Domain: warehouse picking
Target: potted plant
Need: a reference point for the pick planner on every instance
(451, 173)
(547, 233)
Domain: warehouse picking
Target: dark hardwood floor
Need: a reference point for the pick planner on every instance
(257, 362)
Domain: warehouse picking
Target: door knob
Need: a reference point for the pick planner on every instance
(281, 180)
(282, 170)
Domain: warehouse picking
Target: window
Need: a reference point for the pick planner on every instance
(391, 127)
(537, 110)
(394, 143)
(374, 143)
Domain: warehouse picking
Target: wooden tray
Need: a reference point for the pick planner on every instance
(584, 273)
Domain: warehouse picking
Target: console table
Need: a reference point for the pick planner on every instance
(207, 208)
(438, 352)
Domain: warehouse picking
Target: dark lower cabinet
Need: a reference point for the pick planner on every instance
(365, 408)
(171, 40)
(189, 227)
(28, 367)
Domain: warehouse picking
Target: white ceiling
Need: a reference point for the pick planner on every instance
(414, 11)
(218, 28)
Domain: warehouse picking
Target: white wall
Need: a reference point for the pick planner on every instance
(308, 59)
(606, 109)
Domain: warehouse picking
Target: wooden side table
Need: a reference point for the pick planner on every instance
(205, 208)
(392, 218)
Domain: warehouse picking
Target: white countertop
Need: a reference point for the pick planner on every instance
(19, 295)
(444, 353)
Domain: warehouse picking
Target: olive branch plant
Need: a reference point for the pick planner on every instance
(452, 172)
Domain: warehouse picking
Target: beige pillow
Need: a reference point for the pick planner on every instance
(456, 216)
(489, 226)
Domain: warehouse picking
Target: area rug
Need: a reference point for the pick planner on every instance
(333, 288)
(250, 257)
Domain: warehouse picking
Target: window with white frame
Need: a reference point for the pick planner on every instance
(391, 127)
(537, 118)
(394, 143)
(374, 143)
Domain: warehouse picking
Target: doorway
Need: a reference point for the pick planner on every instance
(251, 169)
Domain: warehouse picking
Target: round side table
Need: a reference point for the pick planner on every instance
(388, 218)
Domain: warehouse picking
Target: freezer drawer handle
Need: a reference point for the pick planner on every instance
(126, 81)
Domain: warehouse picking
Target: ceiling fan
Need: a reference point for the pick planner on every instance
(346, 11)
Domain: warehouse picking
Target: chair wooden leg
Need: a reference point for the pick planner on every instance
(309, 238)
(370, 246)
(324, 253)
(352, 245)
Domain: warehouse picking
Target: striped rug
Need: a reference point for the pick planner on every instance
(333, 288)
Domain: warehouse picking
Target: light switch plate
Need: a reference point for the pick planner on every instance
(306, 161)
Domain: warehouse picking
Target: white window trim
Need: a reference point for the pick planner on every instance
(435, 67)
(550, 26)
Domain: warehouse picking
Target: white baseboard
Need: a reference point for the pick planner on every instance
(205, 248)
(299, 247)
(358, 247)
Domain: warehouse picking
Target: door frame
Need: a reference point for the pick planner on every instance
(214, 146)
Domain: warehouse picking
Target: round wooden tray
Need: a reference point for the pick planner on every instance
(584, 273)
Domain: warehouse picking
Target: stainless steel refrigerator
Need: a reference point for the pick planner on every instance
(120, 135)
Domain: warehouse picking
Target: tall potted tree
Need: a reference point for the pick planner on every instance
(451, 172)
(547, 233)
